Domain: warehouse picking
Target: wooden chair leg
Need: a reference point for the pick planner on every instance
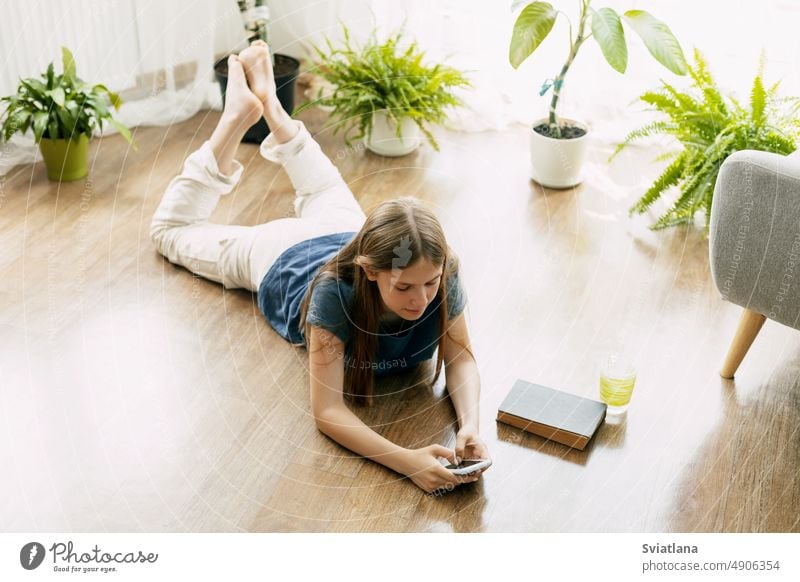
(749, 326)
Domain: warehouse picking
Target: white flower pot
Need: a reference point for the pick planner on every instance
(383, 138)
(557, 163)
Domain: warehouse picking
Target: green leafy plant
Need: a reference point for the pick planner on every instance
(60, 106)
(384, 76)
(536, 20)
(710, 126)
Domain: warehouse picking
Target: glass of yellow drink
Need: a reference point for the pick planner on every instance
(617, 378)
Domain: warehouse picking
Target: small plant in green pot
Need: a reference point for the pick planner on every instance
(710, 126)
(558, 146)
(62, 111)
(384, 93)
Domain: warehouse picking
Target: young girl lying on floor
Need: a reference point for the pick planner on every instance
(368, 295)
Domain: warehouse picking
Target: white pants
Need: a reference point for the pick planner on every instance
(240, 256)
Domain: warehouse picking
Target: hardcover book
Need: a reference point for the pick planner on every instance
(565, 418)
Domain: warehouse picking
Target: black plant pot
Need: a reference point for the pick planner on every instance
(286, 69)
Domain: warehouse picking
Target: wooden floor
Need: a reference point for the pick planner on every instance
(137, 397)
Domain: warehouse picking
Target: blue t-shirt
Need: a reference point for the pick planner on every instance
(281, 294)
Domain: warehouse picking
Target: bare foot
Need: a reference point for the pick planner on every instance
(242, 107)
(258, 68)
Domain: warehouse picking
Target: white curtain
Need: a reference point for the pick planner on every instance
(131, 43)
(158, 54)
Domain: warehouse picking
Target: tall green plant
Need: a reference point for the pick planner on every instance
(536, 20)
(710, 126)
(60, 106)
(384, 76)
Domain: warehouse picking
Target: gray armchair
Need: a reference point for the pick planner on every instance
(754, 243)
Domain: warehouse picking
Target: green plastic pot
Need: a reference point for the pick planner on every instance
(66, 159)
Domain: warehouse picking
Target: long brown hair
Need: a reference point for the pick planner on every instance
(396, 234)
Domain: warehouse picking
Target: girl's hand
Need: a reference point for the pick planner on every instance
(260, 76)
(469, 445)
(427, 473)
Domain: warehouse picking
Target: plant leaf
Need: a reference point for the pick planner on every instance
(50, 76)
(69, 64)
(758, 102)
(658, 39)
(669, 177)
(124, 131)
(115, 100)
(52, 130)
(58, 96)
(36, 88)
(609, 34)
(18, 121)
(382, 75)
(710, 126)
(39, 124)
(533, 25)
(650, 129)
(68, 121)
(59, 106)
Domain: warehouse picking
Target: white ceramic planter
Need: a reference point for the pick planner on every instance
(557, 163)
(383, 139)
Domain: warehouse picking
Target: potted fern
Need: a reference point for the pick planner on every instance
(710, 126)
(557, 145)
(383, 93)
(63, 111)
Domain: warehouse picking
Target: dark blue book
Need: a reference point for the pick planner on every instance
(559, 416)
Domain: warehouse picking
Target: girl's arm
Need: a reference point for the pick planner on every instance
(336, 420)
(464, 386)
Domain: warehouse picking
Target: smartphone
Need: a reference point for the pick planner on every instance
(467, 466)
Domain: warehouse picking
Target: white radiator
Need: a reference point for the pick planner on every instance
(101, 34)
